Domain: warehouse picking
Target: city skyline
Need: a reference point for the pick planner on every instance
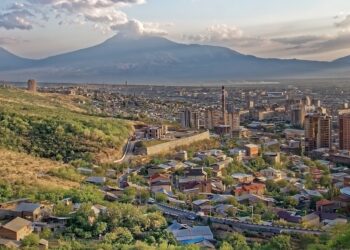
(315, 30)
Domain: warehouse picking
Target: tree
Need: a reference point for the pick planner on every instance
(257, 163)
(209, 172)
(231, 212)
(237, 241)
(232, 201)
(128, 195)
(333, 192)
(228, 181)
(130, 191)
(309, 182)
(120, 235)
(86, 193)
(32, 240)
(272, 186)
(256, 218)
(307, 239)
(61, 209)
(326, 181)
(291, 202)
(282, 183)
(225, 246)
(6, 191)
(160, 197)
(280, 242)
(100, 227)
(46, 234)
(340, 237)
(144, 195)
(209, 160)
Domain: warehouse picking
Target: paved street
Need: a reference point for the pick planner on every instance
(237, 224)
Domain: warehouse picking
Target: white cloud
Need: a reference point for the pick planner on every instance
(137, 28)
(104, 15)
(344, 23)
(16, 19)
(286, 46)
(217, 33)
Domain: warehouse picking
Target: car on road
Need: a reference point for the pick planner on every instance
(191, 217)
(151, 201)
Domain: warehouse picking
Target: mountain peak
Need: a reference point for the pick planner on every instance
(146, 58)
(121, 38)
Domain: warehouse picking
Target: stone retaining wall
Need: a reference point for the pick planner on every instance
(168, 146)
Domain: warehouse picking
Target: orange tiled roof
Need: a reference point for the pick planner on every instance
(158, 175)
(250, 187)
(324, 202)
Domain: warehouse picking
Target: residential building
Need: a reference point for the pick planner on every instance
(29, 211)
(297, 115)
(344, 131)
(252, 150)
(153, 132)
(187, 235)
(243, 178)
(17, 229)
(272, 157)
(327, 206)
(271, 174)
(318, 131)
(189, 119)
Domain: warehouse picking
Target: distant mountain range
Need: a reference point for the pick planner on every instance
(156, 59)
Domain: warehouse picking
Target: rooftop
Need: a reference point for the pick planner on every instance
(27, 207)
(17, 224)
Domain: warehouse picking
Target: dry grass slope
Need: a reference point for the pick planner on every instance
(31, 171)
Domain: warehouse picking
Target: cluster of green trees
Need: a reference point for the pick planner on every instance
(123, 224)
(6, 191)
(236, 241)
(48, 127)
(337, 239)
(64, 138)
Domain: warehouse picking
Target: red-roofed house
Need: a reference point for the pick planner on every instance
(316, 174)
(160, 182)
(253, 188)
(327, 206)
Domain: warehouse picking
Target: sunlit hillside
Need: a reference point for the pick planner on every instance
(58, 127)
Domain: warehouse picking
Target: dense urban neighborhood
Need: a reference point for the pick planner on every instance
(200, 168)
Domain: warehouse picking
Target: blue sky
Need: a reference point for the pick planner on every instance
(307, 29)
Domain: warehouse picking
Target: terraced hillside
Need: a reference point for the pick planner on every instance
(58, 127)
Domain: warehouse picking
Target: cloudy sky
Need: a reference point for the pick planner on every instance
(306, 29)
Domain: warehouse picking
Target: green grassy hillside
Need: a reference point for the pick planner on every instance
(58, 127)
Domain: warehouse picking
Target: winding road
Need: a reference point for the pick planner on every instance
(128, 152)
(181, 213)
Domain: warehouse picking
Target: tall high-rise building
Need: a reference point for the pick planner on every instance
(297, 115)
(212, 118)
(344, 131)
(32, 85)
(189, 119)
(318, 131)
(234, 120)
(185, 117)
(223, 105)
(195, 124)
(307, 101)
